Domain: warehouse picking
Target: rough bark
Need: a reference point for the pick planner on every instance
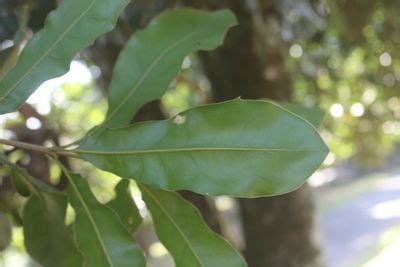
(279, 230)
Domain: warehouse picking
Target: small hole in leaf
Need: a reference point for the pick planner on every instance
(157, 250)
(178, 120)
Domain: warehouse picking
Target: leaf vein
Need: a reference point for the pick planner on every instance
(174, 224)
(90, 216)
(145, 75)
(193, 149)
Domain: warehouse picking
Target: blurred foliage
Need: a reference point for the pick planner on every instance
(190, 88)
(8, 20)
(10, 9)
(341, 57)
(350, 68)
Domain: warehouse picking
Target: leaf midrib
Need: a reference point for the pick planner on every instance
(193, 149)
(91, 219)
(174, 224)
(48, 51)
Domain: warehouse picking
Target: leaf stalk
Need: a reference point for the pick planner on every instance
(53, 151)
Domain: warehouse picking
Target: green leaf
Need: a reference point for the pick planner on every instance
(184, 233)
(4, 160)
(153, 57)
(47, 238)
(19, 183)
(314, 115)
(74, 25)
(125, 207)
(244, 148)
(23, 182)
(103, 239)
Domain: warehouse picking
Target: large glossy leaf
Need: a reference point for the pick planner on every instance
(100, 234)
(184, 233)
(47, 238)
(70, 28)
(125, 207)
(242, 148)
(152, 58)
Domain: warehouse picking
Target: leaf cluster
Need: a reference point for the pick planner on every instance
(242, 148)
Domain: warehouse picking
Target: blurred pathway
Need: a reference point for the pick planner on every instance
(350, 230)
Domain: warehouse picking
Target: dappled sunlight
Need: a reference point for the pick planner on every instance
(389, 257)
(78, 73)
(355, 216)
(386, 210)
(362, 242)
(33, 123)
(322, 177)
(336, 110)
(15, 255)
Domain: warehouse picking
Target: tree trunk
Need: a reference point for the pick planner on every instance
(279, 230)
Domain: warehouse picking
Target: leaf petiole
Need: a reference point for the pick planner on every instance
(42, 149)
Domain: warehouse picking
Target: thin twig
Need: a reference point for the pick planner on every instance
(38, 148)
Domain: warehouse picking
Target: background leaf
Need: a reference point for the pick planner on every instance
(125, 207)
(71, 27)
(99, 232)
(19, 184)
(46, 236)
(184, 233)
(242, 148)
(5, 231)
(152, 58)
